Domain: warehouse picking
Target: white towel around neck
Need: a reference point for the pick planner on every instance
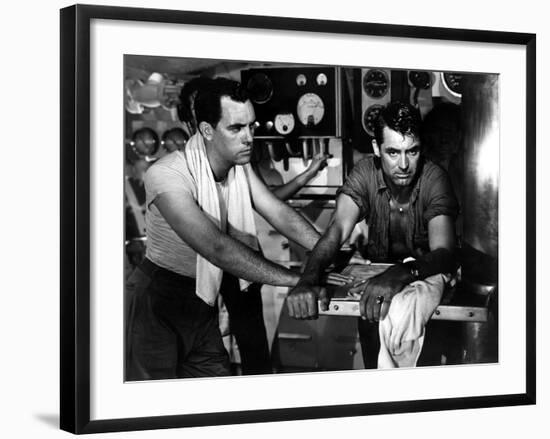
(240, 216)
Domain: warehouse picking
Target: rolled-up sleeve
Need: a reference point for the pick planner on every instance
(441, 199)
(356, 187)
(160, 179)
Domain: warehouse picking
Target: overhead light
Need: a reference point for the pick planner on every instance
(155, 92)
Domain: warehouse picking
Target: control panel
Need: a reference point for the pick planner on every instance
(429, 88)
(295, 102)
(298, 117)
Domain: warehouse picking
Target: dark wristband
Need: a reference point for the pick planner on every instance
(437, 261)
(413, 269)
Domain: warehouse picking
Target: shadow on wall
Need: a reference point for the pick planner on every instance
(51, 420)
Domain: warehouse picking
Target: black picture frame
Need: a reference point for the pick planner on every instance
(75, 217)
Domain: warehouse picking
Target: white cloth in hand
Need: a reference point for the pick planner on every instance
(402, 330)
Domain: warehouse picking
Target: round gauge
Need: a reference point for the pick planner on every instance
(311, 109)
(260, 88)
(301, 80)
(453, 83)
(284, 123)
(145, 142)
(420, 79)
(174, 139)
(369, 117)
(376, 83)
(322, 79)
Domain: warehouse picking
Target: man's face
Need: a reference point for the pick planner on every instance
(233, 135)
(399, 155)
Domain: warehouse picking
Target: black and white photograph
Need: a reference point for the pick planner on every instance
(289, 218)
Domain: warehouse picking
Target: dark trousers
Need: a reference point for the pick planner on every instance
(370, 342)
(170, 332)
(247, 325)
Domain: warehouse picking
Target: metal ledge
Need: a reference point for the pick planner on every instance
(350, 308)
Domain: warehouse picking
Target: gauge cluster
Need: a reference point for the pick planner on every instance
(294, 101)
(375, 93)
(441, 86)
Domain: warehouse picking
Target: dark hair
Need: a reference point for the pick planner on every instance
(400, 117)
(208, 106)
(187, 95)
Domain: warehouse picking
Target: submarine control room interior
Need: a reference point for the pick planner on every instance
(304, 112)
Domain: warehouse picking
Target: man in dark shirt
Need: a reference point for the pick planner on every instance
(409, 207)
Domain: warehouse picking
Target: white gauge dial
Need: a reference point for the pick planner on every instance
(453, 83)
(311, 109)
(284, 123)
(322, 79)
(301, 80)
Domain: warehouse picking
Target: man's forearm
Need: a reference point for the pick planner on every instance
(287, 190)
(295, 227)
(397, 276)
(204, 236)
(241, 261)
(441, 260)
(321, 257)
